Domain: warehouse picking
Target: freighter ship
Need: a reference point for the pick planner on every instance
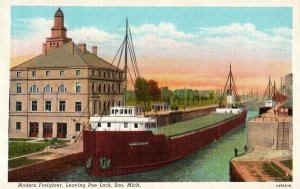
(126, 141)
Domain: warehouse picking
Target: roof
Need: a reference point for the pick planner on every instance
(62, 57)
(58, 13)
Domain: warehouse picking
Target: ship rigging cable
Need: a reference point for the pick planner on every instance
(229, 88)
(127, 44)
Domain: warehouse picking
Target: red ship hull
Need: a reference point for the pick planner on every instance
(139, 151)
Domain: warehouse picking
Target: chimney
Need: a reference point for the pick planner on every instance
(44, 49)
(82, 47)
(72, 47)
(94, 50)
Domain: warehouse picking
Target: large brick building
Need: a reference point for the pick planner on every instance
(65, 83)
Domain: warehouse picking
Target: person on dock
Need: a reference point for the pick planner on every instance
(245, 148)
(236, 152)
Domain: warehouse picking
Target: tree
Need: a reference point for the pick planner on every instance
(166, 95)
(154, 90)
(142, 91)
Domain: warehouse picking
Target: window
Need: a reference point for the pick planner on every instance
(48, 106)
(121, 111)
(33, 73)
(136, 125)
(99, 88)
(18, 88)
(61, 73)
(78, 106)
(93, 73)
(108, 74)
(47, 89)
(62, 89)
(95, 106)
(47, 73)
(104, 74)
(125, 111)
(18, 106)
(112, 111)
(18, 74)
(119, 87)
(119, 103)
(108, 124)
(18, 125)
(113, 88)
(125, 125)
(104, 88)
(104, 106)
(77, 126)
(99, 124)
(100, 106)
(34, 105)
(99, 72)
(77, 72)
(93, 88)
(108, 88)
(34, 89)
(78, 87)
(62, 106)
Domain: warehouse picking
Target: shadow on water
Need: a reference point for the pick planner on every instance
(210, 163)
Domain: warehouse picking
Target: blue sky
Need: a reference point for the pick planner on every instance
(185, 42)
(186, 19)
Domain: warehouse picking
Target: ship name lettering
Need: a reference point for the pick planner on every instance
(138, 143)
(133, 184)
(105, 184)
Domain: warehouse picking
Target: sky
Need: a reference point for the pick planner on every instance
(179, 47)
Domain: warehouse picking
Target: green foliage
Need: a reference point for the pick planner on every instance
(194, 124)
(20, 139)
(142, 91)
(22, 148)
(166, 95)
(155, 93)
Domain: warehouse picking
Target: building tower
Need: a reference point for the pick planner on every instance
(58, 33)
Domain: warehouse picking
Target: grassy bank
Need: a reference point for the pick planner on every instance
(288, 163)
(23, 148)
(20, 139)
(273, 170)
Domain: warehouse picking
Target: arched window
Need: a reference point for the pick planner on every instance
(34, 89)
(62, 89)
(47, 89)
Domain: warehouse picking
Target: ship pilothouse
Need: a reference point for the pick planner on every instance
(124, 118)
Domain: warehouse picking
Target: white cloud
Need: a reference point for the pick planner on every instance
(165, 30)
(37, 30)
(222, 43)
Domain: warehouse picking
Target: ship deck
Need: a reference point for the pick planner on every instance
(194, 124)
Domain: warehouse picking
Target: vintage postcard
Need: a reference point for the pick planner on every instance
(139, 94)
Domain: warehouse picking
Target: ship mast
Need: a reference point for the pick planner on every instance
(231, 92)
(125, 67)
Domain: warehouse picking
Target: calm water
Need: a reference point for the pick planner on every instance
(208, 164)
